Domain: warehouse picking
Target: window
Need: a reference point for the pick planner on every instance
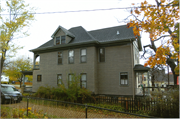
(83, 81)
(102, 55)
(59, 79)
(57, 40)
(70, 79)
(124, 78)
(71, 56)
(60, 40)
(39, 78)
(63, 39)
(83, 55)
(59, 57)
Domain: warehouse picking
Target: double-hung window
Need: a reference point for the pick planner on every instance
(39, 78)
(123, 78)
(60, 57)
(60, 40)
(70, 79)
(63, 39)
(83, 81)
(59, 78)
(83, 55)
(102, 55)
(71, 56)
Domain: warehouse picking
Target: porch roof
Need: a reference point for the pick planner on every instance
(140, 68)
(27, 72)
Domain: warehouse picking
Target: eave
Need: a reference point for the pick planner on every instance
(82, 44)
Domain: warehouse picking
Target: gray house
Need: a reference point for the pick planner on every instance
(107, 60)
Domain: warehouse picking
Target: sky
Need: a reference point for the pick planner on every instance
(44, 26)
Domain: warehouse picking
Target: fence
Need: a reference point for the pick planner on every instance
(74, 110)
(165, 108)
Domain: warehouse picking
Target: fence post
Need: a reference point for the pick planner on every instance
(27, 105)
(86, 110)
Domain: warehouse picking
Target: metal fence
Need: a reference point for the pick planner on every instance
(163, 107)
(63, 109)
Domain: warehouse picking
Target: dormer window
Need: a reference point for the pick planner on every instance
(57, 40)
(60, 40)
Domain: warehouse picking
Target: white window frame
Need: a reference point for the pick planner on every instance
(83, 55)
(59, 81)
(83, 81)
(70, 57)
(123, 73)
(59, 57)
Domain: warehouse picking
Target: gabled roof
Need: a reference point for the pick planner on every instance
(81, 35)
(65, 31)
(101, 36)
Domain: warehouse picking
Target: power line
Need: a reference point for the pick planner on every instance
(93, 10)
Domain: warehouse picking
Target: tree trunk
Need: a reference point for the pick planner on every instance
(2, 63)
(172, 65)
(152, 80)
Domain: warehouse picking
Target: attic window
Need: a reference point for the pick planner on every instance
(60, 40)
(57, 40)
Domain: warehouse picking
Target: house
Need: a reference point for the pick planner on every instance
(107, 60)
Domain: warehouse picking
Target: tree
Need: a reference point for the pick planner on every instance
(160, 22)
(20, 16)
(14, 69)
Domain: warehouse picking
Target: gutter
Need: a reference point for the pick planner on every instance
(81, 44)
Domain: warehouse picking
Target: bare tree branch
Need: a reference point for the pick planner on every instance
(162, 37)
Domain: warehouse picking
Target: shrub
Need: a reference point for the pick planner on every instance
(73, 93)
(167, 103)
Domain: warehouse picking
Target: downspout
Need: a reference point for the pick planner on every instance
(132, 67)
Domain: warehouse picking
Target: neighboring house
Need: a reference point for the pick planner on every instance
(106, 59)
(161, 80)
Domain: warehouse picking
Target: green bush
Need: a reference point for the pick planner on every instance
(167, 103)
(74, 93)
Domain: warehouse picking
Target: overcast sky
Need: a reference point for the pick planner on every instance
(45, 24)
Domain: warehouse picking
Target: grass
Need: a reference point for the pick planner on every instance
(9, 112)
(78, 108)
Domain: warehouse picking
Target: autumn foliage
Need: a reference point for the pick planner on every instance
(159, 21)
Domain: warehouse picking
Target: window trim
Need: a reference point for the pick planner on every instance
(120, 79)
(73, 56)
(40, 78)
(58, 57)
(83, 81)
(104, 54)
(58, 79)
(83, 55)
(60, 39)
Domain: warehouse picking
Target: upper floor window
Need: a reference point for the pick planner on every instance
(57, 40)
(123, 78)
(83, 55)
(60, 40)
(102, 55)
(63, 39)
(59, 57)
(59, 79)
(71, 56)
(83, 81)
